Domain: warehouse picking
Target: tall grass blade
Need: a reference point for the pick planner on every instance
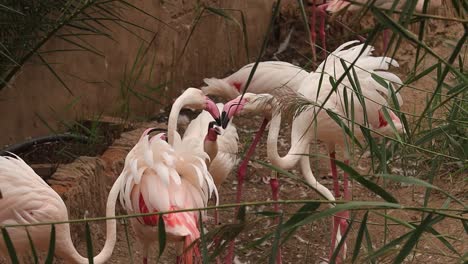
(161, 235)
(366, 183)
(54, 73)
(359, 237)
(51, 252)
(413, 240)
(89, 244)
(263, 47)
(340, 245)
(275, 247)
(203, 244)
(9, 246)
(127, 239)
(415, 181)
(31, 244)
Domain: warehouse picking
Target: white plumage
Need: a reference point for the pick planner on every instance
(226, 156)
(269, 75)
(27, 199)
(159, 177)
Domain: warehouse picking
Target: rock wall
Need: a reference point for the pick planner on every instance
(35, 102)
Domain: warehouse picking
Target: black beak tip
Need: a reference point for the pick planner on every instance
(218, 121)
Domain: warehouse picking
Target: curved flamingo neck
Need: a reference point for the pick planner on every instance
(298, 146)
(111, 236)
(173, 116)
(210, 144)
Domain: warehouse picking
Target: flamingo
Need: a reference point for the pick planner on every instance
(159, 177)
(27, 199)
(194, 99)
(220, 145)
(338, 6)
(222, 150)
(325, 128)
(269, 76)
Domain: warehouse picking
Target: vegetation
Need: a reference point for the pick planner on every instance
(436, 138)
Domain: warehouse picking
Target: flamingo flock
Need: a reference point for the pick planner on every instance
(173, 174)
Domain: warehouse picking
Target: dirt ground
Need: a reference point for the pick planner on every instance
(311, 243)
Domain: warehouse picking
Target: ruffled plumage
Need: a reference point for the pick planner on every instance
(158, 177)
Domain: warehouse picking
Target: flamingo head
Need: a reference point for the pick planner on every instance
(194, 99)
(248, 103)
(213, 131)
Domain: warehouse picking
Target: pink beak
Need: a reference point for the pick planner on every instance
(231, 109)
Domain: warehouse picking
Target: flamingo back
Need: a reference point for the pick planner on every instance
(268, 76)
(158, 177)
(28, 199)
(359, 100)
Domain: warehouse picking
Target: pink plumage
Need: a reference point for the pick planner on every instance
(27, 199)
(158, 177)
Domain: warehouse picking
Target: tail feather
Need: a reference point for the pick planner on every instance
(219, 87)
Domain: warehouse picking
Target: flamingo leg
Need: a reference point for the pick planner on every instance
(274, 183)
(145, 252)
(240, 178)
(313, 34)
(386, 39)
(336, 185)
(336, 189)
(322, 10)
(344, 216)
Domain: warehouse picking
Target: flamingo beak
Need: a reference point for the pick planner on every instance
(230, 109)
(215, 127)
(213, 110)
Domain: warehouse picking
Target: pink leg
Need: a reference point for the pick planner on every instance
(240, 178)
(145, 260)
(336, 185)
(336, 189)
(386, 39)
(313, 34)
(344, 216)
(346, 184)
(178, 260)
(323, 14)
(274, 183)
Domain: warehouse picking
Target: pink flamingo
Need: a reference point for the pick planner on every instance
(325, 128)
(220, 145)
(337, 6)
(27, 199)
(194, 99)
(268, 77)
(158, 177)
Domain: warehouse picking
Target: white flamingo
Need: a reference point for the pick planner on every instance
(325, 97)
(268, 77)
(27, 199)
(194, 99)
(159, 177)
(337, 6)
